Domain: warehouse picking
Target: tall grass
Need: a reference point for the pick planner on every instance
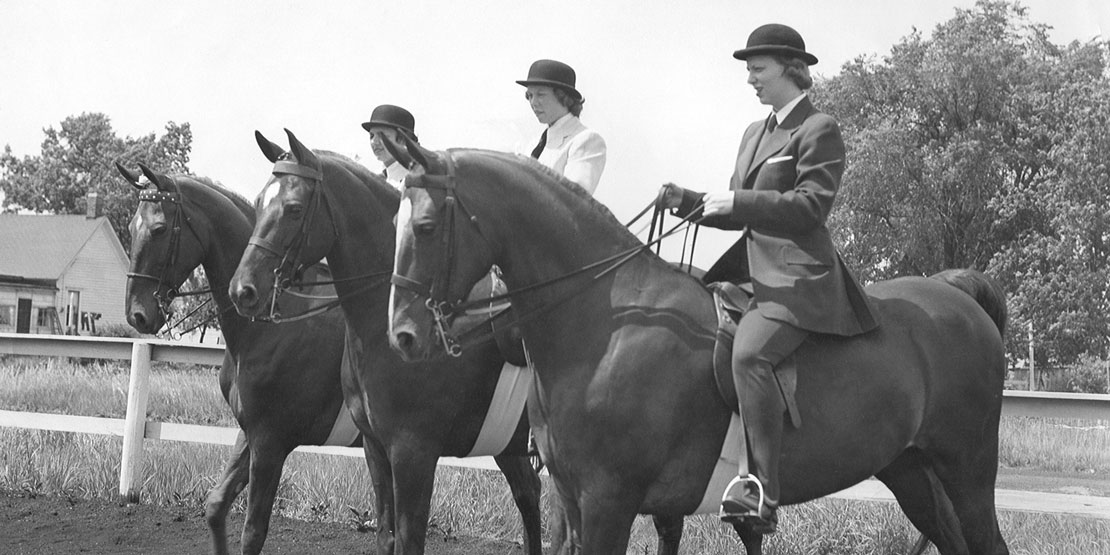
(466, 502)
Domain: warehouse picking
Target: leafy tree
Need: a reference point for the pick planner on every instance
(983, 146)
(78, 158)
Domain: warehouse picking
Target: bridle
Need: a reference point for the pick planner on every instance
(289, 272)
(164, 292)
(444, 309)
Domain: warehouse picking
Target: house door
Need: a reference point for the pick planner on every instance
(23, 316)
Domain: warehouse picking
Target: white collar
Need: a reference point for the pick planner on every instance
(782, 114)
(562, 126)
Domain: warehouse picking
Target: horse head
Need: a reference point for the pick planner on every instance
(432, 278)
(162, 257)
(293, 227)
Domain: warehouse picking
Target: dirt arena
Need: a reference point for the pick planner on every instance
(55, 525)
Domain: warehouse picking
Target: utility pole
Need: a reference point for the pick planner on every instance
(1032, 368)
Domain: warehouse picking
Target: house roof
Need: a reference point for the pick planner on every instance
(40, 247)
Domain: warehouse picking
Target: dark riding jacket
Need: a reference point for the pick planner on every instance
(784, 186)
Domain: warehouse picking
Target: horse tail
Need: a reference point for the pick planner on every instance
(983, 289)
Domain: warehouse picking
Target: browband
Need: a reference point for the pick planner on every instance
(154, 195)
(293, 168)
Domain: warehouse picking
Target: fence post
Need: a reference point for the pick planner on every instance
(134, 428)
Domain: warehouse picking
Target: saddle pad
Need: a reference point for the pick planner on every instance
(343, 432)
(728, 466)
(505, 410)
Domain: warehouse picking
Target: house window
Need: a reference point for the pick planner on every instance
(43, 318)
(7, 315)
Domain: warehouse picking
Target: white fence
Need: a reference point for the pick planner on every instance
(135, 428)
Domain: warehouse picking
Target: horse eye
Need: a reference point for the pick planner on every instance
(157, 230)
(293, 210)
(424, 228)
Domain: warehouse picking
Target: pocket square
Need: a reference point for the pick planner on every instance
(778, 159)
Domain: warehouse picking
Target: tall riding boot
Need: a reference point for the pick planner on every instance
(755, 502)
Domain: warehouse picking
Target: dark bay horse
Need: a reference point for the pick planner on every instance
(410, 413)
(625, 408)
(281, 381)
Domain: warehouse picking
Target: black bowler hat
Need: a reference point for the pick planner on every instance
(774, 38)
(388, 115)
(552, 74)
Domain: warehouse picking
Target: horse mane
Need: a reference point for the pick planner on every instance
(238, 200)
(592, 206)
(374, 182)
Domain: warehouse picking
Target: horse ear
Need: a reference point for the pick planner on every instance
(269, 149)
(131, 177)
(160, 181)
(303, 154)
(403, 157)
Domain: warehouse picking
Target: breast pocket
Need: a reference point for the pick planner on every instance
(778, 172)
(797, 257)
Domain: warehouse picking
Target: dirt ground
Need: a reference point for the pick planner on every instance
(57, 525)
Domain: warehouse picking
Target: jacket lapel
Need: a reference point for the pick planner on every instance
(770, 144)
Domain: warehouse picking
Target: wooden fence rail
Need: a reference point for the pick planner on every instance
(135, 428)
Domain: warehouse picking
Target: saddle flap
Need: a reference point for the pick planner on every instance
(731, 302)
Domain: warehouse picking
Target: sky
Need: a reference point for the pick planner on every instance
(660, 82)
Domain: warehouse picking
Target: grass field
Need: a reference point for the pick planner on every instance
(466, 502)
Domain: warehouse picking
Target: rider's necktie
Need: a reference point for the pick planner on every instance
(540, 146)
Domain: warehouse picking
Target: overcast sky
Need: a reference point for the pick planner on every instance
(660, 83)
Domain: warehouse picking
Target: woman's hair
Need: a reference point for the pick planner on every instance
(796, 70)
(569, 101)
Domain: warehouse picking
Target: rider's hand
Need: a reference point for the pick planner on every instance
(670, 196)
(718, 203)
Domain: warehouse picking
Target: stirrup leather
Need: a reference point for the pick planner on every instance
(742, 482)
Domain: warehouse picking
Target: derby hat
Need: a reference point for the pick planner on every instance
(774, 38)
(388, 115)
(551, 73)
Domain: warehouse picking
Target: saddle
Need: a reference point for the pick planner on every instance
(731, 302)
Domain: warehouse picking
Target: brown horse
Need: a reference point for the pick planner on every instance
(410, 414)
(281, 381)
(625, 408)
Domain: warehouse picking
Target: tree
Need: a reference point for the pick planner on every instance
(983, 146)
(78, 158)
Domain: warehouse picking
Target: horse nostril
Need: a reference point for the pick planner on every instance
(138, 321)
(246, 295)
(405, 341)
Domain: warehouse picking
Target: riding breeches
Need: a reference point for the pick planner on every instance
(759, 346)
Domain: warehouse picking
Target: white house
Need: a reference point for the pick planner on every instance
(60, 274)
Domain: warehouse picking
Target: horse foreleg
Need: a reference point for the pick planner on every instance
(607, 518)
(381, 476)
(669, 528)
(752, 540)
(922, 497)
(525, 485)
(414, 474)
(265, 475)
(220, 498)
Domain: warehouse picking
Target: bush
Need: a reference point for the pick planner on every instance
(117, 330)
(1088, 375)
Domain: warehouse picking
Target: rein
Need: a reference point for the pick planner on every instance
(443, 310)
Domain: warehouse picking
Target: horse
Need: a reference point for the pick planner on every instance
(625, 406)
(281, 381)
(410, 413)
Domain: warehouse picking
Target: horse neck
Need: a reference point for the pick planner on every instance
(364, 226)
(228, 230)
